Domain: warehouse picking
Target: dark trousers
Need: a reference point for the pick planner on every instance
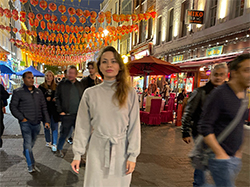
(1, 123)
(29, 133)
(68, 121)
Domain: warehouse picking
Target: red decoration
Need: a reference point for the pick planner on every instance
(93, 29)
(58, 27)
(81, 29)
(31, 15)
(64, 19)
(87, 29)
(92, 20)
(36, 22)
(8, 28)
(93, 14)
(31, 22)
(82, 20)
(76, 29)
(49, 25)
(62, 28)
(52, 7)
(39, 16)
(108, 14)
(1, 11)
(15, 30)
(15, 17)
(22, 19)
(100, 29)
(108, 20)
(43, 25)
(153, 14)
(71, 11)
(47, 17)
(79, 12)
(62, 9)
(54, 18)
(140, 17)
(7, 13)
(147, 16)
(34, 2)
(14, 12)
(22, 13)
(43, 4)
(67, 28)
(86, 13)
(127, 17)
(100, 20)
(23, 1)
(101, 14)
(72, 19)
(122, 17)
(134, 17)
(21, 31)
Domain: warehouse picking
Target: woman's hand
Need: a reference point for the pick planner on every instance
(75, 165)
(130, 167)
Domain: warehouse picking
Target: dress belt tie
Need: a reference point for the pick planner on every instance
(110, 149)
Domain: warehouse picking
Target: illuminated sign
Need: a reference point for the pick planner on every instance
(194, 17)
(214, 51)
(178, 58)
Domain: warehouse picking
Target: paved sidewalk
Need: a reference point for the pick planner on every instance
(163, 162)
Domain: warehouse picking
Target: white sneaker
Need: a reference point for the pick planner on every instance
(54, 148)
(48, 144)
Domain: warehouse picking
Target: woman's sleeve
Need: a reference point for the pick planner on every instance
(134, 129)
(82, 129)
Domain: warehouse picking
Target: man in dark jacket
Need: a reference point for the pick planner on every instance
(220, 109)
(4, 96)
(92, 79)
(68, 96)
(29, 107)
(192, 111)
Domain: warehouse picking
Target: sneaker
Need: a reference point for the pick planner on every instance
(30, 169)
(59, 153)
(48, 144)
(53, 148)
(70, 141)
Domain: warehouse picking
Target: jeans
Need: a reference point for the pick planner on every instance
(68, 121)
(199, 178)
(54, 129)
(29, 133)
(225, 171)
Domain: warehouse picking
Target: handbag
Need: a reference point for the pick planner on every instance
(200, 155)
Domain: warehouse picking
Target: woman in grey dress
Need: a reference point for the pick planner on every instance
(108, 120)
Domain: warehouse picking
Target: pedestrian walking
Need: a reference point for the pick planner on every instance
(108, 119)
(48, 88)
(193, 109)
(219, 110)
(3, 96)
(29, 107)
(68, 95)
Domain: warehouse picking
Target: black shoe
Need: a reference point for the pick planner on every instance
(1, 142)
(70, 141)
(59, 153)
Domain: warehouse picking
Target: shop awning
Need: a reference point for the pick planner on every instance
(207, 61)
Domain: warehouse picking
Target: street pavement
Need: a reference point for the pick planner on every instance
(163, 160)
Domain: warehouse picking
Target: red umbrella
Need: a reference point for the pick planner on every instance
(149, 65)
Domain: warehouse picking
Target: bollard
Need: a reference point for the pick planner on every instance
(179, 115)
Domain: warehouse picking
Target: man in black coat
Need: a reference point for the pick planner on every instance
(193, 109)
(68, 96)
(28, 105)
(4, 96)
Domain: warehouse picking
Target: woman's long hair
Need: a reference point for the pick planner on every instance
(122, 79)
(53, 84)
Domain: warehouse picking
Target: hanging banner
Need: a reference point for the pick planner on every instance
(214, 51)
(178, 58)
(194, 17)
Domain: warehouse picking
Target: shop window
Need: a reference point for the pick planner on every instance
(183, 27)
(171, 24)
(116, 8)
(213, 12)
(159, 31)
(150, 26)
(237, 8)
(126, 7)
(143, 25)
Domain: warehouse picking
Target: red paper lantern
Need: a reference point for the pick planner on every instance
(87, 29)
(62, 9)
(64, 18)
(15, 30)
(39, 16)
(79, 12)
(93, 14)
(67, 28)
(72, 19)
(62, 28)
(101, 14)
(134, 17)
(82, 20)
(52, 7)
(14, 12)
(93, 29)
(15, 17)
(43, 4)
(147, 16)
(76, 29)
(81, 29)
(34, 2)
(22, 13)
(108, 14)
(47, 17)
(33, 33)
(36, 22)
(49, 25)
(31, 15)
(108, 20)
(53, 26)
(122, 17)
(116, 18)
(86, 13)
(8, 28)
(1, 11)
(31, 22)
(71, 11)
(100, 20)
(127, 17)
(153, 14)
(140, 17)
(92, 20)
(22, 19)
(21, 31)
(54, 18)
(23, 1)
(43, 25)
(100, 29)
(58, 27)
(7, 13)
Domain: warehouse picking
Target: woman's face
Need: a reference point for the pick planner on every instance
(49, 77)
(109, 66)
